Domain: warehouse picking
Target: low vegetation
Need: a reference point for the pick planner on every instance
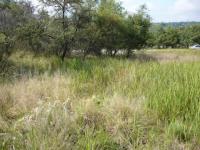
(86, 26)
(109, 103)
(76, 74)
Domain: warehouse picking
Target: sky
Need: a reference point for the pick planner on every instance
(164, 10)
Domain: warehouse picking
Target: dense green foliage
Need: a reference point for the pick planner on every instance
(171, 37)
(176, 24)
(49, 102)
(98, 103)
(87, 27)
(84, 25)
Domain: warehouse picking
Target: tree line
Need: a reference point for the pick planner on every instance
(86, 26)
(174, 37)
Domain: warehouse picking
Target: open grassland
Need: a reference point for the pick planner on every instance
(100, 103)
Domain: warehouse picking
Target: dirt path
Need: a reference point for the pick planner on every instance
(167, 57)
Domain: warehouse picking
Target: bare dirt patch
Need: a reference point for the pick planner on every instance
(167, 57)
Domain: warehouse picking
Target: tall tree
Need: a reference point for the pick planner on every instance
(110, 21)
(88, 33)
(136, 31)
(64, 10)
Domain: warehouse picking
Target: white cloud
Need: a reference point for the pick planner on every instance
(163, 10)
(185, 10)
(168, 10)
(35, 2)
(183, 6)
(133, 5)
(156, 8)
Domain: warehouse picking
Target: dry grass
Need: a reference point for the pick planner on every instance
(170, 55)
(26, 93)
(45, 111)
(100, 104)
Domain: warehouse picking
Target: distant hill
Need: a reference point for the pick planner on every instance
(155, 26)
(176, 24)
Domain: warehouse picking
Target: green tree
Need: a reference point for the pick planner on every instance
(88, 33)
(172, 38)
(136, 31)
(185, 37)
(35, 34)
(5, 45)
(12, 15)
(195, 30)
(65, 9)
(110, 22)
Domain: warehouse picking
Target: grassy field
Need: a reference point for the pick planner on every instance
(151, 101)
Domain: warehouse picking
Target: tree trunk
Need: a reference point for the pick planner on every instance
(115, 52)
(85, 53)
(128, 53)
(65, 50)
(65, 46)
(63, 17)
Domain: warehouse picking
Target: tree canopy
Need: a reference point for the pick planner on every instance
(86, 26)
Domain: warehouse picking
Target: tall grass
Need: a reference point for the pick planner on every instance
(99, 104)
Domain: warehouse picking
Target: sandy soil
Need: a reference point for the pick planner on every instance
(167, 57)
